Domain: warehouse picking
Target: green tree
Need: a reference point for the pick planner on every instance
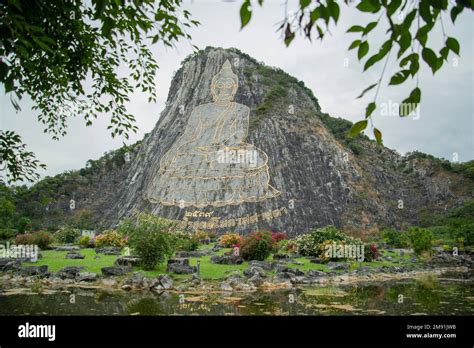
(408, 25)
(51, 50)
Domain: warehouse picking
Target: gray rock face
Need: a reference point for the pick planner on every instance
(8, 264)
(74, 256)
(227, 259)
(115, 270)
(338, 266)
(86, 277)
(128, 261)
(34, 270)
(321, 177)
(66, 248)
(69, 272)
(195, 253)
(180, 266)
(108, 251)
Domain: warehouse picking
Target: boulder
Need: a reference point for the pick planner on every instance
(179, 260)
(281, 256)
(66, 247)
(295, 271)
(34, 270)
(165, 282)
(128, 261)
(108, 251)
(335, 266)
(115, 270)
(227, 259)
(69, 272)
(266, 265)
(74, 255)
(195, 253)
(8, 264)
(281, 268)
(86, 277)
(254, 270)
(217, 246)
(180, 268)
(225, 286)
(135, 280)
(256, 279)
(314, 273)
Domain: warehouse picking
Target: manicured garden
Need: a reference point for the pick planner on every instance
(157, 246)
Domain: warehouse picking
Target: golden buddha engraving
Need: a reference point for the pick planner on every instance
(211, 164)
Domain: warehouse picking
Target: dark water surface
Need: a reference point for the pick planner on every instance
(449, 294)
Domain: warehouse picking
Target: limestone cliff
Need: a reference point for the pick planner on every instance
(322, 176)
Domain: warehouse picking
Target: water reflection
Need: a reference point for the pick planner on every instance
(430, 295)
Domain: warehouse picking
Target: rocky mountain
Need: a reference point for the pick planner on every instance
(314, 175)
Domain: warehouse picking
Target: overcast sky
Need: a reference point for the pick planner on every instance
(444, 126)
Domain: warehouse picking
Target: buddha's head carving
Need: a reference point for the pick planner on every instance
(224, 84)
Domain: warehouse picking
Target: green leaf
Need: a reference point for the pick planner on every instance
(415, 95)
(354, 44)
(368, 6)
(370, 109)
(245, 13)
(455, 11)
(363, 49)
(358, 127)
(453, 45)
(399, 77)
(444, 52)
(404, 42)
(334, 10)
(430, 57)
(355, 29)
(378, 135)
(366, 90)
(382, 53)
(424, 9)
(408, 20)
(304, 3)
(369, 27)
(393, 6)
(289, 35)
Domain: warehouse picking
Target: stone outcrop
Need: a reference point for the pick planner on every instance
(323, 177)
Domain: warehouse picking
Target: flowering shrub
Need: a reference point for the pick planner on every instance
(287, 246)
(230, 239)
(309, 244)
(279, 236)
(41, 238)
(323, 255)
(67, 234)
(86, 242)
(212, 236)
(257, 246)
(110, 238)
(371, 252)
(201, 235)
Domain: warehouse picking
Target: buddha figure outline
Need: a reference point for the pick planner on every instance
(211, 164)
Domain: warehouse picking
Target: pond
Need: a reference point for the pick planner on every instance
(448, 294)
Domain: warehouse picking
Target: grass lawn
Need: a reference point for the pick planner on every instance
(57, 260)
